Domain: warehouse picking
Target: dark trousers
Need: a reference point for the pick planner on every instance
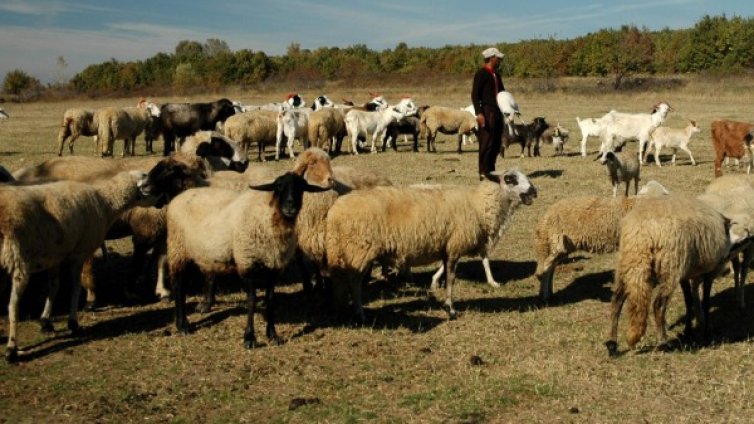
(490, 139)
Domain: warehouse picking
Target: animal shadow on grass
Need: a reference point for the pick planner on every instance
(592, 286)
(552, 173)
(9, 153)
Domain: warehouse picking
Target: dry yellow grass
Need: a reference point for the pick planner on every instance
(506, 359)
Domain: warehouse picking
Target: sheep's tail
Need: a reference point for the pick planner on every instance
(639, 295)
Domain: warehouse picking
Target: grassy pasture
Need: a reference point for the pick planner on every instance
(506, 359)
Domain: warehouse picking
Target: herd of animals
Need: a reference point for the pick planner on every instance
(203, 212)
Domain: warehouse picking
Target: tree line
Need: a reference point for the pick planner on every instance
(715, 43)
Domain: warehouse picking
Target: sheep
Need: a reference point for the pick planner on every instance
(587, 223)
(55, 227)
(123, 123)
(248, 234)
(621, 167)
(145, 225)
(180, 120)
(619, 127)
(674, 138)
(447, 121)
(360, 122)
(76, 122)
(258, 126)
(407, 226)
(665, 242)
(292, 124)
(219, 151)
(327, 125)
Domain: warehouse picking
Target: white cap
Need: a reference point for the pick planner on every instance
(492, 51)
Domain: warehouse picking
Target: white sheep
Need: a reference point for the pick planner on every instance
(256, 127)
(617, 127)
(123, 123)
(674, 138)
(665, 242)
(621, 167)
(408, 226)
(439, 119)
(587, 223)
(218, 231)
(327, 125)
(76, 122)
(76, 217)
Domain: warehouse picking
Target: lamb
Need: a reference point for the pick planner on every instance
(587, 223)
(250, 235)
(619, 127)
(407, 226)
(674, 138)
(665, 242)
(327, 125)
(180, 120)
(447, 121)
(76, 216)
(76, 122)
(123, 123)
(621, 167)
(258, 126)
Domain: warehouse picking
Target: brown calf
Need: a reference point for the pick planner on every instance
(731, 139)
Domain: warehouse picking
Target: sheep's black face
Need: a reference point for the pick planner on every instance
(288, 192)
(168, 179)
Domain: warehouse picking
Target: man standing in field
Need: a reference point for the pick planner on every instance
(487, 83)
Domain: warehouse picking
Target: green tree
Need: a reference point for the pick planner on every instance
(19, 82)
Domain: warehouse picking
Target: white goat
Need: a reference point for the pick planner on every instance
(292, 123)
(620, 127)
(364, 122)
(467, 138)
(590, 127)
(675, 138)
(509, 108)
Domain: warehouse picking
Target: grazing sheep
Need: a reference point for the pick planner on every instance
(587, 223)
(446, 120)
(674, 138)
(407, 226)
(76, 122)
(249, 235)
(664, 242)
(180, 120)
(327, 125)
(258, 126)
(55, 227)
(123, 123)
(621, 167)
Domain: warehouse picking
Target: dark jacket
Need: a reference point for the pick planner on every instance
(483, 92)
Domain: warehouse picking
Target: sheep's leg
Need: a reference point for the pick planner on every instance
(459, 143)
(74, 272)
(748, 256)
(688, 300)
(53, 282)
(209, 294)
(249, 339)
(660, 306)
(74, 137)
(488, 272)
(450, 276)
(436, 278)
(179, 295)
(735, 267)
(546, 269)
(355, 282)
(616, 305)
(162, 292)
(19, 281)
(89, 284)
(706, 289)
(269, 292)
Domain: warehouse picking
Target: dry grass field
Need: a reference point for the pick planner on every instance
(508, 358)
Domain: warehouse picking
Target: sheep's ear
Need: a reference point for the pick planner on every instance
(264, 187)
(311, 188)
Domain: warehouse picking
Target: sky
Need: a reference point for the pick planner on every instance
(33, 34)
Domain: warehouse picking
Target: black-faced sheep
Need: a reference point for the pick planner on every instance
(406, 226)
(251, 235)
(180, 120)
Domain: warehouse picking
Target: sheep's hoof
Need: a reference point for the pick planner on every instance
(74, 327)
(612, 348)
(11, 355)
(46, 325)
